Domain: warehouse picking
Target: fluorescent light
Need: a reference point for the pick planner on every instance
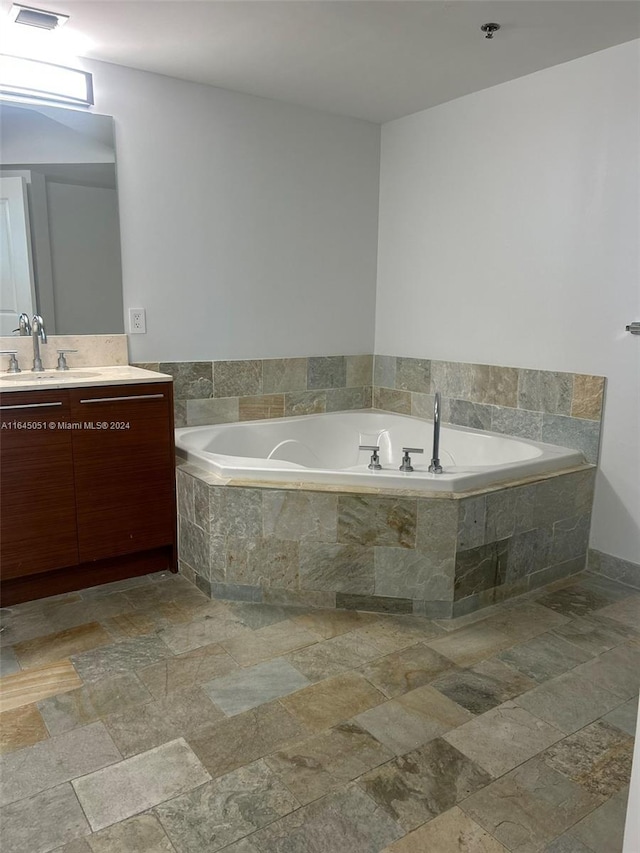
(43, 81)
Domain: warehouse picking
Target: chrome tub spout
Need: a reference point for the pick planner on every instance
(435, 467)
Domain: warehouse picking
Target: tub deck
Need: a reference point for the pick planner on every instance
(324, 450)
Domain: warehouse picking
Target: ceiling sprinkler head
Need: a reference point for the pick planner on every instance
(489, 30)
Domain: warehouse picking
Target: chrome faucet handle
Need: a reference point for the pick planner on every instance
(375, 459)
(62, 361)
(14, 367)
(406, 459)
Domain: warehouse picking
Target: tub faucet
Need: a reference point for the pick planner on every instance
(375, 459)
(406, 458)
(38, 334)
(435, 467)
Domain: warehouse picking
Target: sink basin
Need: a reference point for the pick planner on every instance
(48, 376)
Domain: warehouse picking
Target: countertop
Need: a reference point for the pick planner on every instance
(81, 377)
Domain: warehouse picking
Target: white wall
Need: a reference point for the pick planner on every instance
(249, 226)
(39, 134)
(85, 256)
(509, 234)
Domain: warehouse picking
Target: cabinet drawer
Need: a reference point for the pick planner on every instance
(114, 402)
(33, 406)
(37, 494)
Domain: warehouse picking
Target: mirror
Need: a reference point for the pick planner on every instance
(59, 225)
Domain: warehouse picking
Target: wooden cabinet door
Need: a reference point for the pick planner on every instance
(124, 469)
(37, 496)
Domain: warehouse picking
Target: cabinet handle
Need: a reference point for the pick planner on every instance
(29, 406)
(120, 399)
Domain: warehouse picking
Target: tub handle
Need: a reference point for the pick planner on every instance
(374, 465)
(406, 459)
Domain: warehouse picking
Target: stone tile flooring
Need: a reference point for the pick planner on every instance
(141, 717)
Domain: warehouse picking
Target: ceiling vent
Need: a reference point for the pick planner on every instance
(37, 17)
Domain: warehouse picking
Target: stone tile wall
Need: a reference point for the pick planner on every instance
(513, 540)
(213, 392)
(558, 408)
(434, 556)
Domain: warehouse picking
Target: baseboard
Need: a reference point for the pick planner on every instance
(615, 568)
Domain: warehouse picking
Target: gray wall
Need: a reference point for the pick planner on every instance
(509, 223)
(85, 255)
(249, 226)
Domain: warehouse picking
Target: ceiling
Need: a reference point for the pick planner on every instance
(372, 59)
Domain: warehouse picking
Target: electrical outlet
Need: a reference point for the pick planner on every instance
(137, 321)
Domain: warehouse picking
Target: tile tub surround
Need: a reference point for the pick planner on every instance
(213, 392)
(251, 547)
(557, 408)
(435, 556)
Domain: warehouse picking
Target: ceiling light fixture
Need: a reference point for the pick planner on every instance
(29, 79)
(39, 18)
(489, 30)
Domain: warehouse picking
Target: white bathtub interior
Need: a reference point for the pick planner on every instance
(324, 448)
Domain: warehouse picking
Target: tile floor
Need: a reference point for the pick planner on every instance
(140, 717)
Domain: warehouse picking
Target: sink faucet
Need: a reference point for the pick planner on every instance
(39, 334)
(24, 326)
(436, 467)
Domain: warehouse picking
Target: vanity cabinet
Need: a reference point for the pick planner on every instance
(87, 487)
(37, 491)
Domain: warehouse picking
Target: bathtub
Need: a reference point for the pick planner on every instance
(324, 449)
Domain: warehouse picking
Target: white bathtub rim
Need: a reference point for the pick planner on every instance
(552, 449)
(241, 470)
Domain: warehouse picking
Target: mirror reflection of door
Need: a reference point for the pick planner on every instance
(67, 159)
(17, 289)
